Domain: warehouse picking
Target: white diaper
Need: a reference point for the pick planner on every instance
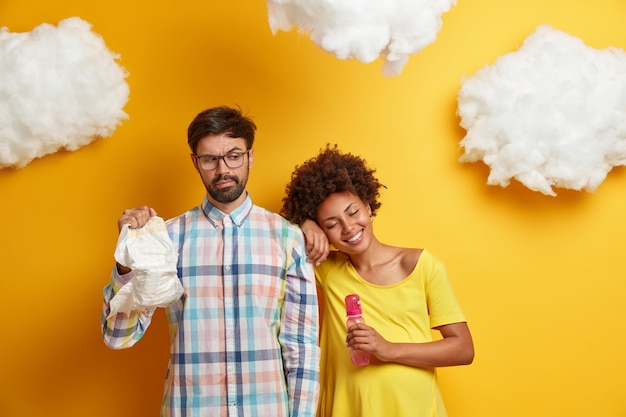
(149, 252)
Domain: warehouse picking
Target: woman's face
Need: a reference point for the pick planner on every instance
(346, 221)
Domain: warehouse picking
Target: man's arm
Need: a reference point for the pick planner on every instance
(299, 334)
(122, 330)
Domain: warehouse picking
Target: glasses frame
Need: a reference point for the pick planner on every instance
(221, 157)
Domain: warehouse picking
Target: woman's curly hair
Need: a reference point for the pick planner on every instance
(329, 172)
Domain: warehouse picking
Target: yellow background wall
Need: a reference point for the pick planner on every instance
(541, 279)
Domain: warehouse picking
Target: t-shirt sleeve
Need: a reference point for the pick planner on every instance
(442, 303)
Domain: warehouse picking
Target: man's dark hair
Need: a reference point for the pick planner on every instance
(221, 120)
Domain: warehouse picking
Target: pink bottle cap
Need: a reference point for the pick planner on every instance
(353, 305)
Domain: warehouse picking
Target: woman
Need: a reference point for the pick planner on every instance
(404, 294)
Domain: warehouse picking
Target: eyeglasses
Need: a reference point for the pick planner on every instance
(231, 159)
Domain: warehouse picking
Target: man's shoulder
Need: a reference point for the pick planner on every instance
(261, 209)
(260, 213)
(270, 224)
(185, 216)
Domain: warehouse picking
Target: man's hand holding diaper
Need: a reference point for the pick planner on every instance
(145, 248)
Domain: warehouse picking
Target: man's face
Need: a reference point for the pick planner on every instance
(225, 185)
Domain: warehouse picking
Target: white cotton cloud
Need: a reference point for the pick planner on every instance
(60, 88)
(552, 114)
(363, 29)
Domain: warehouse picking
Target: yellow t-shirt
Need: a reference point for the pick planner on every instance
(403, 312)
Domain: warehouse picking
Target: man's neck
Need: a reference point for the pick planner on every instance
(228, 208)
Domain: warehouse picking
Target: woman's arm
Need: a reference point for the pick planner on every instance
(455, 348)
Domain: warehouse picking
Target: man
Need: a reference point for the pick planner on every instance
(244, 333)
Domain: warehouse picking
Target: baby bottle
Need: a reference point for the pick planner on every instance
(355, 315)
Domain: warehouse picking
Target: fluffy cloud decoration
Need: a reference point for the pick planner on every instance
(364, 29)
(61, 88)
(552, 114)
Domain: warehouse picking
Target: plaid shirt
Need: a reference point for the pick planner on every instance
(244, 334)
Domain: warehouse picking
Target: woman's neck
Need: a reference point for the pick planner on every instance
(376, 254)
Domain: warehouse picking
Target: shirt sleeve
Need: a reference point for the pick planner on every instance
(442, 303)
(299, 333)
(122, 330)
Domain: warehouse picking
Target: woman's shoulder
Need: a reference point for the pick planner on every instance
(336, 257)
(429, 263)
(335, 261)
(409, 258)
(414, 259)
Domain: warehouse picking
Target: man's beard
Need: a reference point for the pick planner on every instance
(228, 194)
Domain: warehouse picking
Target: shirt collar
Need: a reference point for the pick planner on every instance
(216, 216)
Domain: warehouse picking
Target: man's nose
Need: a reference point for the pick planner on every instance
(221, 166)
